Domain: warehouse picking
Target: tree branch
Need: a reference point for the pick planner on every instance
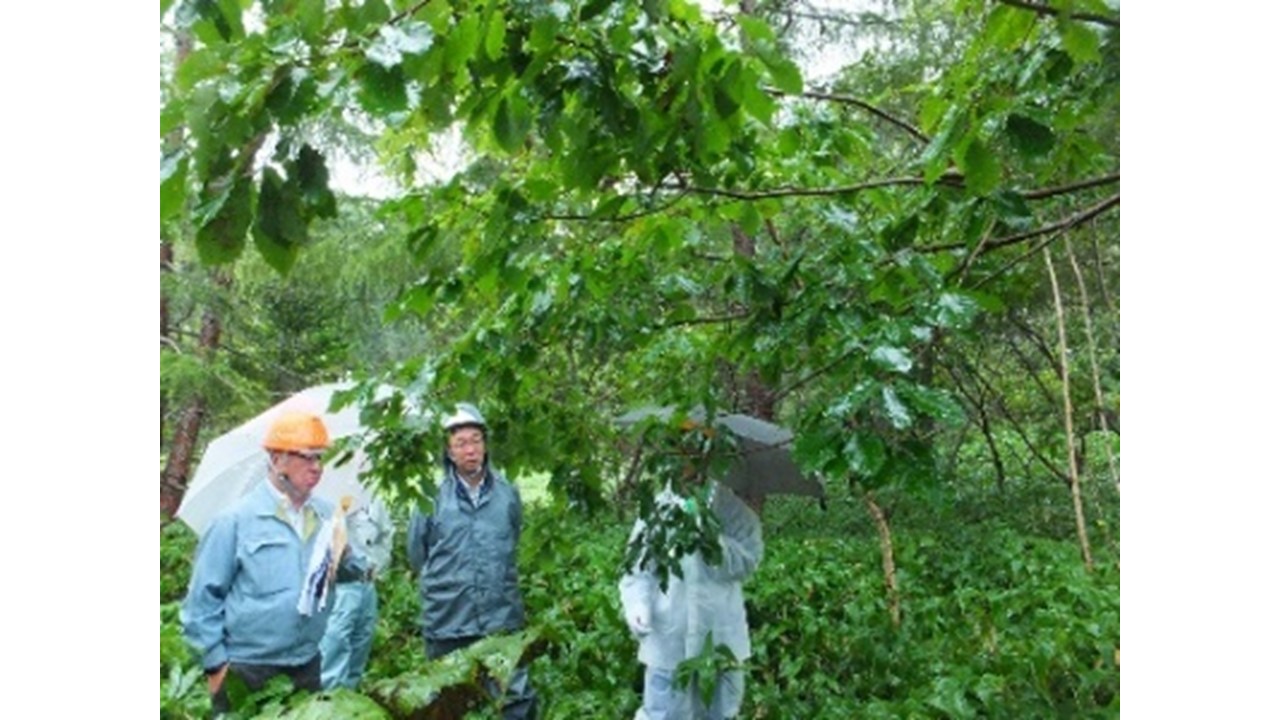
(1073, 187)
(950, 179)
(706, 320)
(1065, 224)
(1041, 9)
(862, 104)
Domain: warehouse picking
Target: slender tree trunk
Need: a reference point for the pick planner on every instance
(177, 469)
(1093, 363)
(984, 424)
(886, 558)
(1066, 416)
(1097, 264)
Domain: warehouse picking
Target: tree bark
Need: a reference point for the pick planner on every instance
(1081, 529)
(177, 468)
(886, 558)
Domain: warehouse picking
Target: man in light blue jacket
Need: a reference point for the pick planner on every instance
(464, 554)
(241, 613)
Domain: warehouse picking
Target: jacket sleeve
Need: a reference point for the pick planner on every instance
(203, 610)
(385, 529)
(741, 541)
(419, 541)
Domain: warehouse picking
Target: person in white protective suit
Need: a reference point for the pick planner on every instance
(672, 626)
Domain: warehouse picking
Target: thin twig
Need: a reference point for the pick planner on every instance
(1046, 10)
(862, 104)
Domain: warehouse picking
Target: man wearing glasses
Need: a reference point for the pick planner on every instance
(242, 611)
(464, 553)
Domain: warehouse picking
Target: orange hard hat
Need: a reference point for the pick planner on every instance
(296, 431)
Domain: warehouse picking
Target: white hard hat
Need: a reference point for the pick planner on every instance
(464, 414)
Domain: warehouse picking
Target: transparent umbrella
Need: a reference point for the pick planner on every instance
(234, 462)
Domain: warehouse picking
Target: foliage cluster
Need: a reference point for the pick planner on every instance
(1000, 620)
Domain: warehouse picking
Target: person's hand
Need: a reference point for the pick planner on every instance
(640, 622)
(216, 677)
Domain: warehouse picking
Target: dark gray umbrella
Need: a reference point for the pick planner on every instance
(764, 464)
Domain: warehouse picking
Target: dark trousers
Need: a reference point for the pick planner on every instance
(520, 701)
(255, 677)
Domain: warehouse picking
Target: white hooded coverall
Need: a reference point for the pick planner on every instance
(672, 626)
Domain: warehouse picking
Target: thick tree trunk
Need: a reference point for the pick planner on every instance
(177, 468)
(886, 558)
(1081, 529)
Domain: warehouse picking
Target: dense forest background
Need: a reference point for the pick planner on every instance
(892, 227)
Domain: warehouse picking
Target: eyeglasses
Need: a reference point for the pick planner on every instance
(314, 456)
(461, 443)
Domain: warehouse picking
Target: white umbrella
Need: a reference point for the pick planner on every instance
(234, 462)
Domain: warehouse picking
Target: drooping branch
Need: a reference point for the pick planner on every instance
(1081, 530)
(1042, 9)
(862, 105)
(1066, 223)
(1071, 187)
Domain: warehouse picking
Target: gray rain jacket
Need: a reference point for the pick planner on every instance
(465, 558)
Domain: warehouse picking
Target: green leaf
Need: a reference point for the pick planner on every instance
(759, 103)
(1028, 136)
(1008, 27)
(934, 403)
(756, 29)
(512, 122)
(890, 358)
(786, 75)
(311, 16)
(1079, 40)
(865, 453)
(495, 38)
(197, 66)
(221, 239)
(902, 233)
(280, 230)
(313, 183)
(381, 90)
(462, 42)
(173, 183)
(936, 153)
(898, 414)
(954, 311)
(981, 171)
